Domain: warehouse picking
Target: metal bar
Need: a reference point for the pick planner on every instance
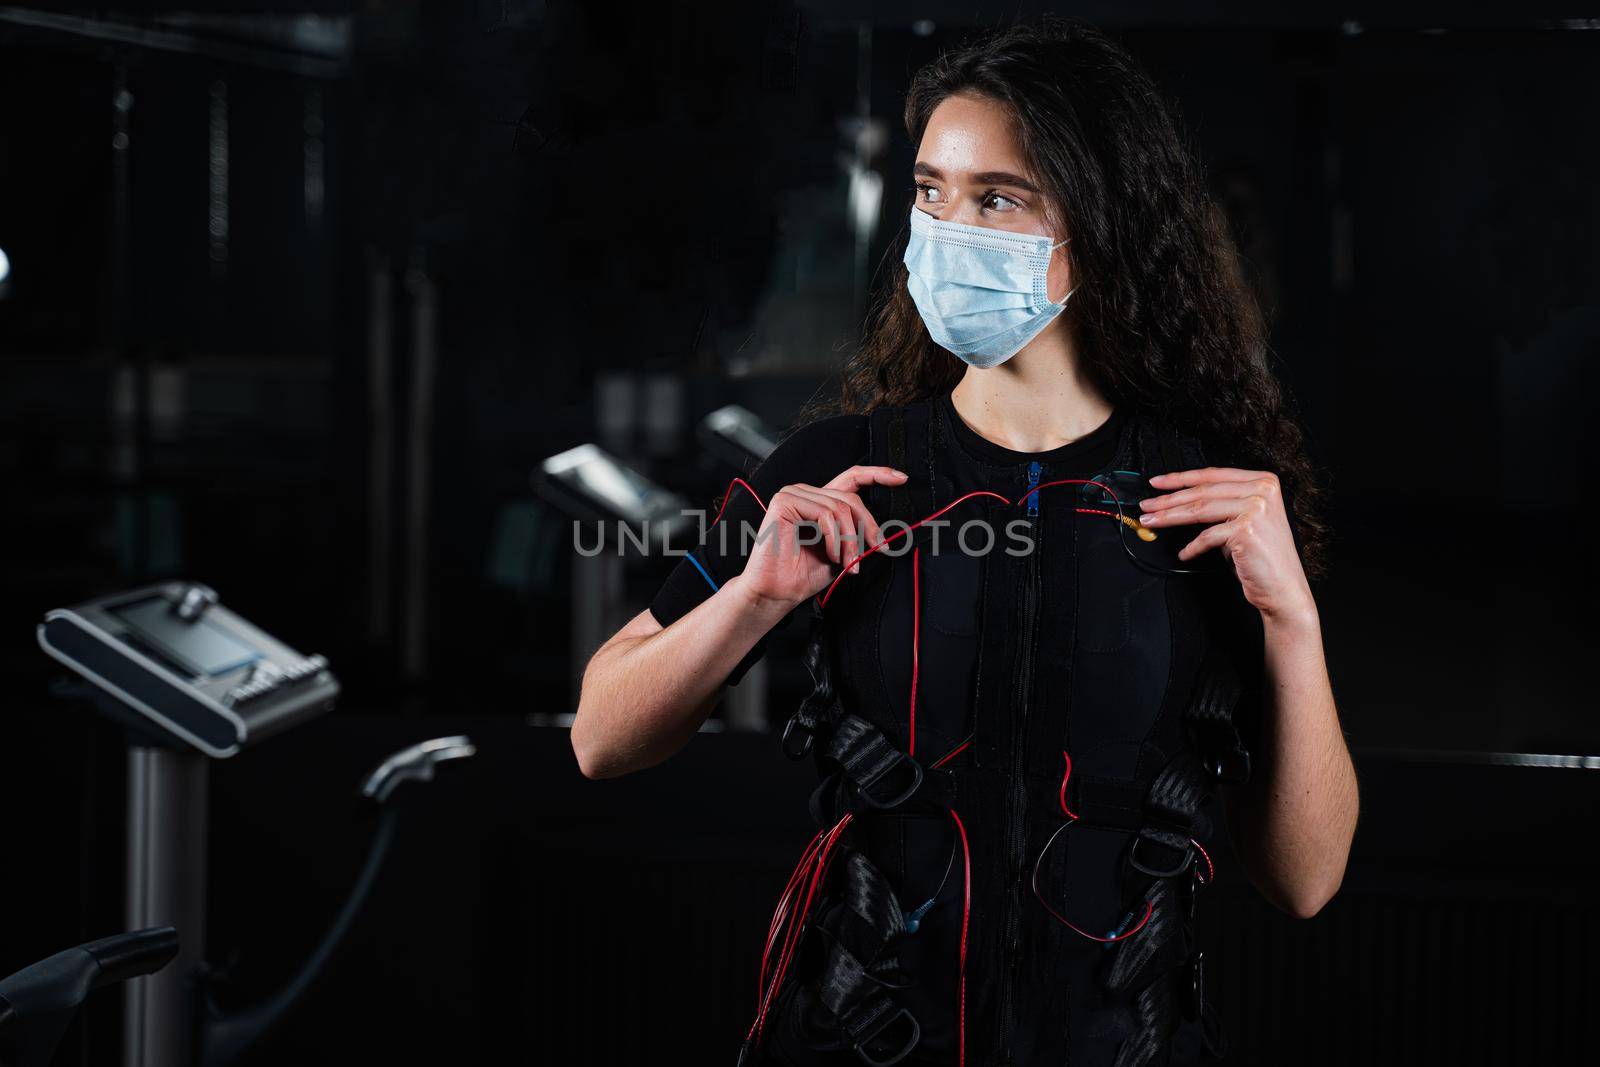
(1500, 759)
(166, 886)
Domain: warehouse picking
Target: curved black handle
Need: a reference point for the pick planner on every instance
(39, 1002)
(125, 956)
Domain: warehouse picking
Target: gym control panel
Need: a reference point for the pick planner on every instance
(196, 671)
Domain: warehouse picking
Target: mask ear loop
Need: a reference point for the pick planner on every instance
(1074, 289)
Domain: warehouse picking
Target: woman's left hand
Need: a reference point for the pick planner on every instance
(1251, 529)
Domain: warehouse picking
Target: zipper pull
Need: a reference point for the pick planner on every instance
(1034, 470)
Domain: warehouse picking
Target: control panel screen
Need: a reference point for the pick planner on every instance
(205, 647)
(601, 480)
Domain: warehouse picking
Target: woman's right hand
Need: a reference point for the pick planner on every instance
(781, 569)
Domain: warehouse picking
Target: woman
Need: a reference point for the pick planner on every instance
(1084, 673)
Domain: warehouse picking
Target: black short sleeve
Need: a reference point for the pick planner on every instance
(814, 454)
(1240, 630)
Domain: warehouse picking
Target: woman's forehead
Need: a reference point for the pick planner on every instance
(967, 135)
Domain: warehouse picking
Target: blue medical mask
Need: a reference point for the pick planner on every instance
(981, 291)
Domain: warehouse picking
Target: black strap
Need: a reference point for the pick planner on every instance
(1172, 815)
(1149, 967)
(860, 974)
(1210, 716)
(1153, 1014)
(1210, 713)
(881, 774)
(1172, 806)
(1156, 947)
(821, 707)
(1116, 803)
(1147, 970)
(899, 496)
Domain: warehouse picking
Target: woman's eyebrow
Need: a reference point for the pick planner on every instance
(988, 177)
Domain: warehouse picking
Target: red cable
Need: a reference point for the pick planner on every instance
(952, 754)
(1073, 481)
(966, 906)
(790, 942)
(800, 871)
(823, 860)
(977, 492)
(1149, 906)
(726, 496)
(1074, 817)
(902, 533)
(806, 858)
(817, 862)
(916, 637)
(1210, 867)
(1067, 774)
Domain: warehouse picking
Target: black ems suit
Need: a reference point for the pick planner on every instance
(1058, 653)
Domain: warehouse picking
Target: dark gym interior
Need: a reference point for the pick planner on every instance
(299, 305)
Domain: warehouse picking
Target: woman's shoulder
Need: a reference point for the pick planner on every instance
(815, 451)
(819, 448)
(829, 431)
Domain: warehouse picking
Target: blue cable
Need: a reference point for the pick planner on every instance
(1121, 926)
(703, 572)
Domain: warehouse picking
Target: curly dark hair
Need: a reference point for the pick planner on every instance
(1163, 317)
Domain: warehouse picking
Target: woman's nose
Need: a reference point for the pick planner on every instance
(964, 211)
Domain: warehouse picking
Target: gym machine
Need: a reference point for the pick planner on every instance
(190, 681)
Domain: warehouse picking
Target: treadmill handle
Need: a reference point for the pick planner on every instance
(414, 764)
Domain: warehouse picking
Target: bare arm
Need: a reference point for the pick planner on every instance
(647, 689)
(1293, 825)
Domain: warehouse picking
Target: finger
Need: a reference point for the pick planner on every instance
(1263, 483)
(852, 478)
(1207, 539)
(1201, 476)
(865, 524)
(1207, 509)
(793, 506)
(844, 519)
(838, 523)
(855, 527)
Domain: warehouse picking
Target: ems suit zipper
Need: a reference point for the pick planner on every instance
(1019, 795)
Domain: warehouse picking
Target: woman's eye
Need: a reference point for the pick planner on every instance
(925, 195)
